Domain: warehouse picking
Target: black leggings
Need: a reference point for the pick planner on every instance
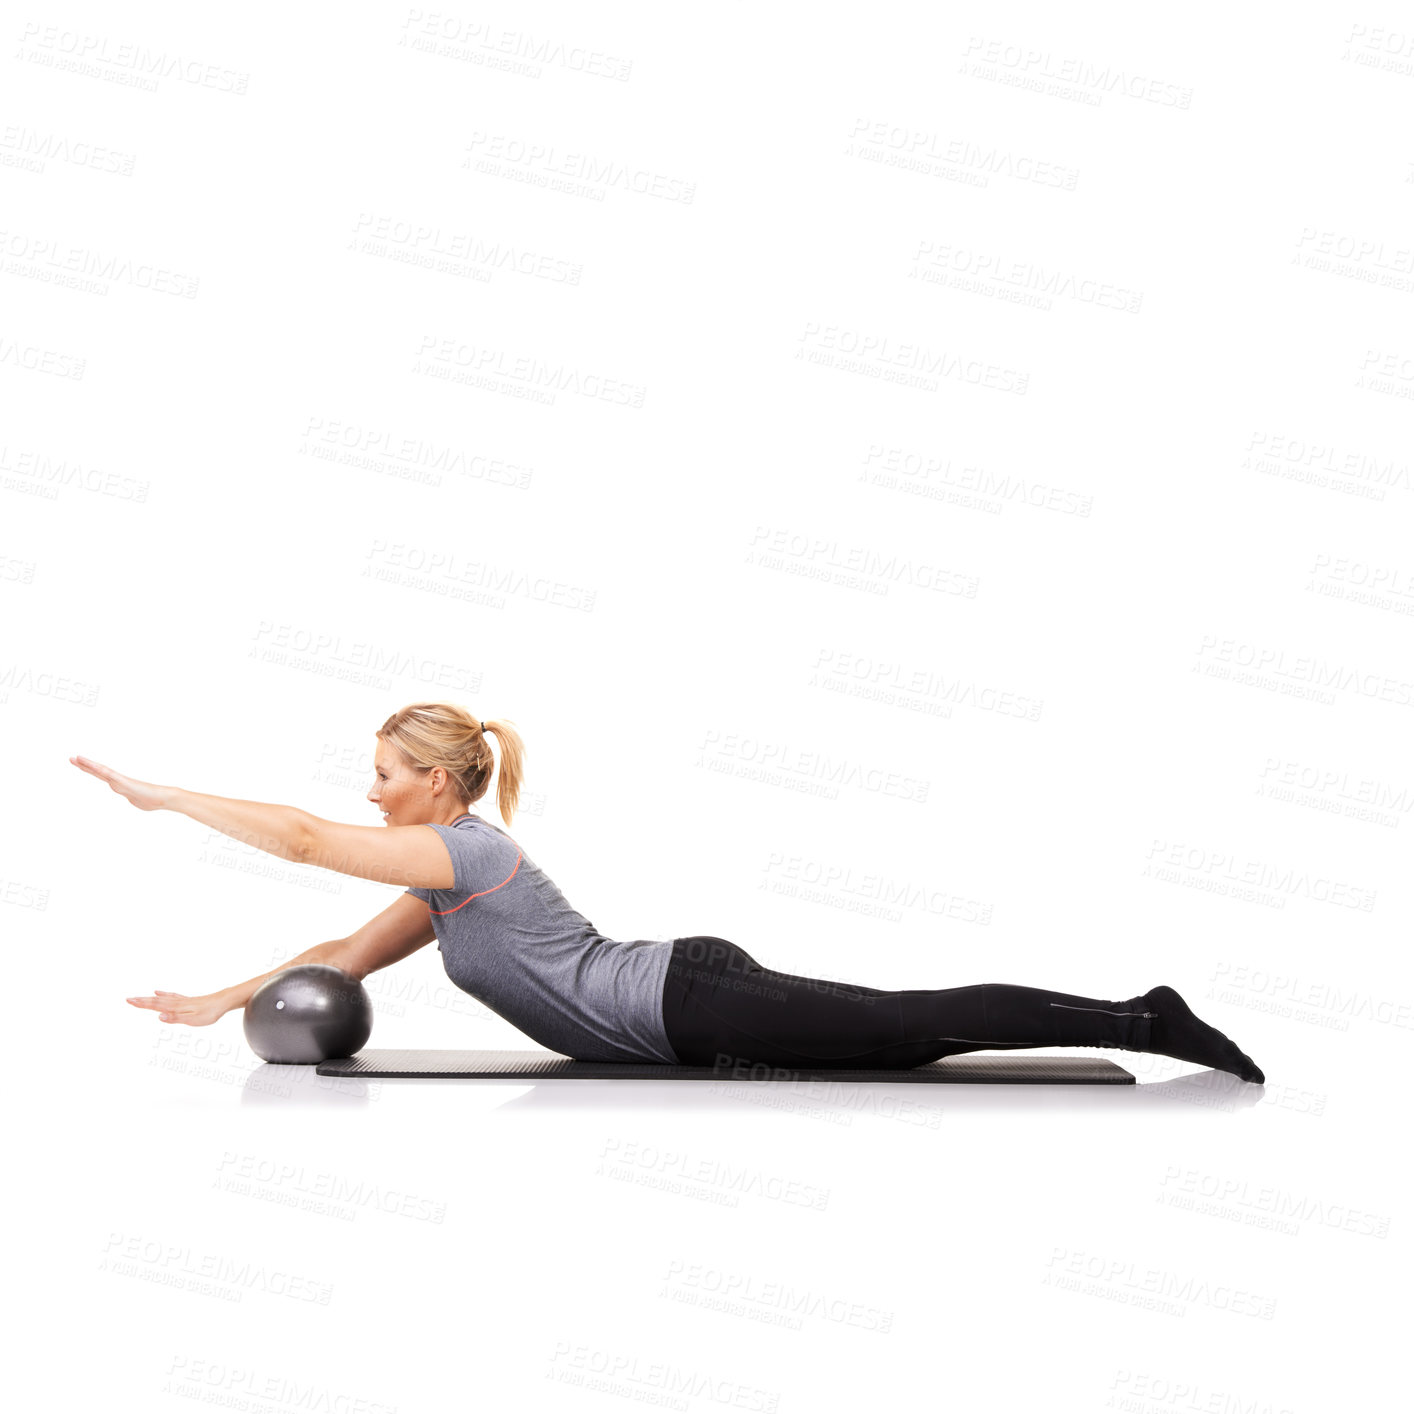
(721, 1007)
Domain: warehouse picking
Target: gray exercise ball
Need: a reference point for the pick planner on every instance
(307, 1014)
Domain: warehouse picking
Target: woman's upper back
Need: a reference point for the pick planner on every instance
(509, 937)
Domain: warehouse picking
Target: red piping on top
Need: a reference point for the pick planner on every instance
(442, 912)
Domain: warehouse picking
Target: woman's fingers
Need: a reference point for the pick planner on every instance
(104, 773)
(94, 768)
(156, 1004)
(142, 794)
(178, 1007)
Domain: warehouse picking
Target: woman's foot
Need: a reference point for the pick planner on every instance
(1175, 1031)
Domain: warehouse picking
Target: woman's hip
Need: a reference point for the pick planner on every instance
(703, 962)
(718, 1000)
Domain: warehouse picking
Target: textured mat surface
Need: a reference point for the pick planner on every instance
(546, 1065)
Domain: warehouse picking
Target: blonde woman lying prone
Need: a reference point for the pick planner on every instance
(509, 937)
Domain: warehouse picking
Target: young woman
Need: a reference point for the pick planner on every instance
(509, 938)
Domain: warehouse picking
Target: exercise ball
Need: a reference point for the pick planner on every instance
(307, 1014)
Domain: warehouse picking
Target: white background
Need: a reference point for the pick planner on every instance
(932, 489)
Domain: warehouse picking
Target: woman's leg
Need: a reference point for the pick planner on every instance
(721, 1002)
(721, 1006)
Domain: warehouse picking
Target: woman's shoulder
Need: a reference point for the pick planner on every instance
(484, 857)
(475, 822)
(484, 837)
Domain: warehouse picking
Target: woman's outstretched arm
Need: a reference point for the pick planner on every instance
(276, 829)
(392, 935)
(174, 1007)
(408, 855)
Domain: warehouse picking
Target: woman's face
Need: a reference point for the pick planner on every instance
(405, 795)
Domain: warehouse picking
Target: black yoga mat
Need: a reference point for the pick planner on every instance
(969, 1069)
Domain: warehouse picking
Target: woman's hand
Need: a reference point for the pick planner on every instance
(189, 1011)
(142, 794)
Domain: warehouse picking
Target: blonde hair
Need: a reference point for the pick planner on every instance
(431, 734)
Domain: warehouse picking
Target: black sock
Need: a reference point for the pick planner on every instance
(1178, 1033)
